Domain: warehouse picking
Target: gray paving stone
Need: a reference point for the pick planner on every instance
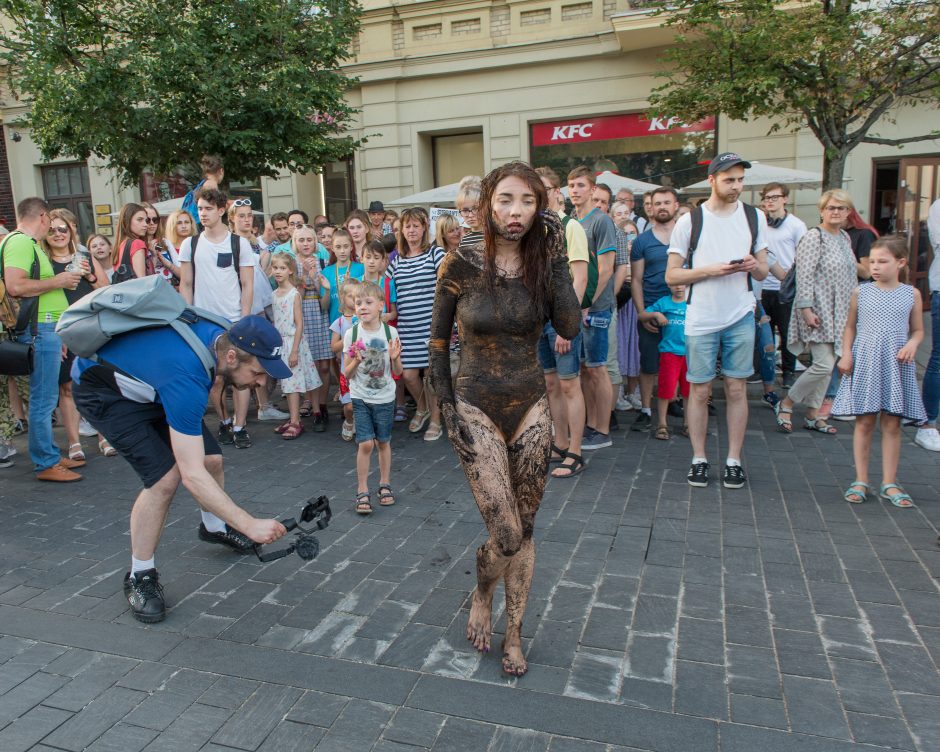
(753, 671)
(814, 707)
(700, 690)
(31, 727)
(168, 702)
(357, 727)
(909, 668)
(83, 728)
(923, 716)
(518, 740)
(758, 711)
(123, 737)
(655, 614)
(414, 727)
(254, 720)
(863, 687)
(701, 640)
(292, 737)
(880, 731)
(459, 734)
(27, 695)
(228, 692)
(191, 731)
(596, 675)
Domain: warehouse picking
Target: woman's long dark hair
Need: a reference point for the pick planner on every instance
(535, 247)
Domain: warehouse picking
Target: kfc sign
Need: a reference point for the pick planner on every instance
(611, 127)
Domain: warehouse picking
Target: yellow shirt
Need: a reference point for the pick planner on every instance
(575, 241)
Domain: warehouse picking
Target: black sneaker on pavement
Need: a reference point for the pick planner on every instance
(675, 409)
(698, 475)
(643, 422)
(597, 440)
(755, 378)
(614, 423)
(733, 477)
(319, 422)
(225, 433)
(230, 537)
(241, 439)
(145, 596)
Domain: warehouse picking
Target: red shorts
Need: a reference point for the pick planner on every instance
(672, 370)
(344, 385)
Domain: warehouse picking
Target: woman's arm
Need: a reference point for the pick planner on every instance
(139, 260)
(565, 308)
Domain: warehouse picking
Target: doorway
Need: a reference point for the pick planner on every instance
(918, 188)
(66, 186)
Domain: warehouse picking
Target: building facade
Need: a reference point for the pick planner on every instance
(454, 87)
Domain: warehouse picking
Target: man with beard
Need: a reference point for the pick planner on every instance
(648, 259)
(716, 268)
(147, 394)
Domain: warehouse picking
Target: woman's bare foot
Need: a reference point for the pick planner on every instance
(479, 625)
(514, 662)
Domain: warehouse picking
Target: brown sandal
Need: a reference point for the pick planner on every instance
(363, 505)
(292, 431)
(386, 497)
(662, 433)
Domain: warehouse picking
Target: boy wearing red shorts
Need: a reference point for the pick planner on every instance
(669, 312)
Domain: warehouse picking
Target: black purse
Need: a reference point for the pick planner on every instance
(16, 358)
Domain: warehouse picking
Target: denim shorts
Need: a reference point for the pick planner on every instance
(567, 366)
(594, 346)
(736, 344)
(373, 421)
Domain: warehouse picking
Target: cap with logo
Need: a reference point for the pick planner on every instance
(725, 161)
(257, 336)
(376, 206)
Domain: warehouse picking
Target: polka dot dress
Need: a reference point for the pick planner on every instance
(879, 381)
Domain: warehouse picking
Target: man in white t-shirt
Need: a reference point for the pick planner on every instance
(927, 435)
(784, 231)
(213, 282)
(731, 248)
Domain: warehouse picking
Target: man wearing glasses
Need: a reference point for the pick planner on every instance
(784, 231)
(21, 254)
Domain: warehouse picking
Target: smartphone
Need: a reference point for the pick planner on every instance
(736, 261)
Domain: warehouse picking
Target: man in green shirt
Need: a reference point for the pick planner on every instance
(20, 253)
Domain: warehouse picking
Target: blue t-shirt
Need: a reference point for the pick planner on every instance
(354, 270)
(673, 333)
(164, 369)
(653, 254)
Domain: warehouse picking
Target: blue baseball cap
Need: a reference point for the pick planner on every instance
(726, 161)
(257, 336)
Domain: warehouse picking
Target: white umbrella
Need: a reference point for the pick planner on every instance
(170, 205)
(759, 174)
(444, 194)
(618, 182)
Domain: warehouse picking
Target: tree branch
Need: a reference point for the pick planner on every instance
(935, 136)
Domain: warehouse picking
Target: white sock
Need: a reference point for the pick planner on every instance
(697, 460)
(732, 462)
(141, 565)
(647, 411)
(213, 524)
(236, 429)
(226, 422)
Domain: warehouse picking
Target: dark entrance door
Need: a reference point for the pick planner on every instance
(66, 187)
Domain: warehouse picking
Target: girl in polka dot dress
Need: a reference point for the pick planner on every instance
(879, 375)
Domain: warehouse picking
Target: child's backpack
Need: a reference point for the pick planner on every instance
(146, 303)
(388, 336)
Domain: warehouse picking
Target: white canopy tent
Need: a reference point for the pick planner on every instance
(444, 194)
(617, 182)
(760, 174)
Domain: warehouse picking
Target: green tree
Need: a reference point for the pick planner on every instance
(841, 68)
(159, 83)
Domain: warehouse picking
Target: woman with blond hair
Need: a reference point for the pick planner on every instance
(825, 278)
(448, 232)
(179, 226)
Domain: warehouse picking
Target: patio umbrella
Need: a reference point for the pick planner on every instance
(760, 174)
(444, 194)
(617, 182)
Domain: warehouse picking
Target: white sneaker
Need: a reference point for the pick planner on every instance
(624, 404)
(7, 450)
(843, 418)
(86, 429)
(269, 412)
(928, 438)
(636, 401)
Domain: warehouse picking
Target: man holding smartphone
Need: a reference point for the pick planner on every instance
(730, 249)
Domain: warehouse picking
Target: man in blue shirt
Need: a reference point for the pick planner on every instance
(147, 396)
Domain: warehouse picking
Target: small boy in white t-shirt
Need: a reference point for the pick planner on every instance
(373, 360)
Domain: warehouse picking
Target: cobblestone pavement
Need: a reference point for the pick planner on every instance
(665, 618)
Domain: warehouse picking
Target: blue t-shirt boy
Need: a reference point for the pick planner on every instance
(673, 331)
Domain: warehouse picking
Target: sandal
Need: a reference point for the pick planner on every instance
(105, 448)
(401, 414)
(857, 489)
(783, 425)
(562, 455)
(76, 453)
(434, 432)
(385, 493)
(819, 425)
(900, 500)
(662, 433)
(684, 431)
(574, 469)
(281, 428)
(419, 420)
(306, 409)
(292, 431)
(363, 505)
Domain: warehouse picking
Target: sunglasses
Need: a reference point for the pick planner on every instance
(241, 202)
(60, 230)
(774, 197)
(152, 220)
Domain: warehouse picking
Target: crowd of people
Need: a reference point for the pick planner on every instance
(522, 324)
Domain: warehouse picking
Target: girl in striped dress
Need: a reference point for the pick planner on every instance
(415, 273)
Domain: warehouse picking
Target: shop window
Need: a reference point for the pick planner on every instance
(663, 151)
(67, 187)
(457, 155)
(339, 189)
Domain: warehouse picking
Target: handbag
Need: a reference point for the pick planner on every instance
(16, 358)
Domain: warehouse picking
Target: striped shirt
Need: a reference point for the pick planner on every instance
(415, 282)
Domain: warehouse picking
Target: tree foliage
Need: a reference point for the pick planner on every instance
(839, 67)
(159, 83)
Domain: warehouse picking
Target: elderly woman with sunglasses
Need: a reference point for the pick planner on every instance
(61, 246)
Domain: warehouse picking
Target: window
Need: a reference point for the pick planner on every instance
(66, 186)
(456, 156)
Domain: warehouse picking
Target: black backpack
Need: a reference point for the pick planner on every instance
(124, 271)
(236, 254)
(698, 220)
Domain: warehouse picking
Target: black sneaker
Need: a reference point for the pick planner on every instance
(733, 477)
(698, 475)
(241, 439)
(225, 433)
(755, 378)
(319, 422)
(597, 440)
(675, 409)
(230, 537)
(788, 379)
(145, 596)
(643, 422)
(614, 423)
